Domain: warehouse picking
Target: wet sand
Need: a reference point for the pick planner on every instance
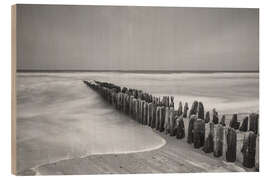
(175, 157)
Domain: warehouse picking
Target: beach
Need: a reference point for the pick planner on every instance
(64, 127)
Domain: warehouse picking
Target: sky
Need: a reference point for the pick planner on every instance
(137, 38)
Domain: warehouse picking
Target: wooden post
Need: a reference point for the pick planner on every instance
(215, 116)
(142, 112)
(172, 122)
(234, 123)
(218, 140)
(200, 111)
(198, 133)
(124, 102)
(172, 102)
(145, 110)
(166, 123)
(223, 120)
(128, 103)
(131, 105)
(151, 114)
(153, 125)
(180, 109)
(121, 101)
(162, 118)
(244, 125)
(192, 119)
(257, 163)
(207, 117)
(249, 149)
(253, 123)
(194, 108)
(148, 113)
(180, 127)
(231, 145)
(185, 110)
(209, 142)
(157, 118)
(137, 110)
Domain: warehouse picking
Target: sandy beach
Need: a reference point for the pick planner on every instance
(63, 127)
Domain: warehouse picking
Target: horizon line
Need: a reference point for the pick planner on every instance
(134, 71)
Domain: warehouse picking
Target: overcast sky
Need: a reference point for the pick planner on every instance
(137, 38)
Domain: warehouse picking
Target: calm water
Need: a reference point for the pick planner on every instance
(58, 117)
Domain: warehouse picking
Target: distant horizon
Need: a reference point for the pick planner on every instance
(146, 71)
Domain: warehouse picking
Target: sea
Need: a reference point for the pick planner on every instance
(59, 117)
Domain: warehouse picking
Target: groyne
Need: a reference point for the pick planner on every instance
(235, 139)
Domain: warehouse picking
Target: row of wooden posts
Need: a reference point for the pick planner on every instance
(160, 114)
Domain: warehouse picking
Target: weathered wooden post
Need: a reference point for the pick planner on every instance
(131, 109)
(172, 122)
(153, 125)
(257, 158)
(134, 111)
(120, 101)
(192, 119)
(209, 142)
(223, 120)
(200, 111)
(142, 113)
(207, 117)
(157, 118)
(234, 123)
(162, 118)
(198, 133)
(148, 113)
(231, 145)
(194, 108)
(218, 140)
(131, 101)
(172, 102)
(124, 103)
(151, 109)
(180, 127)
(185, 110)
(180, 109)
(253, 123)
(244, 125)
(128, 104)
(137, 110)
(166, 123)
(145, 110)
(215, 116)
(142, 110)
(249, 149)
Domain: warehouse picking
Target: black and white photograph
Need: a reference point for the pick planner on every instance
(134, 89)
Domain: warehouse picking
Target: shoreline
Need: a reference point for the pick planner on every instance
(176, 156)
